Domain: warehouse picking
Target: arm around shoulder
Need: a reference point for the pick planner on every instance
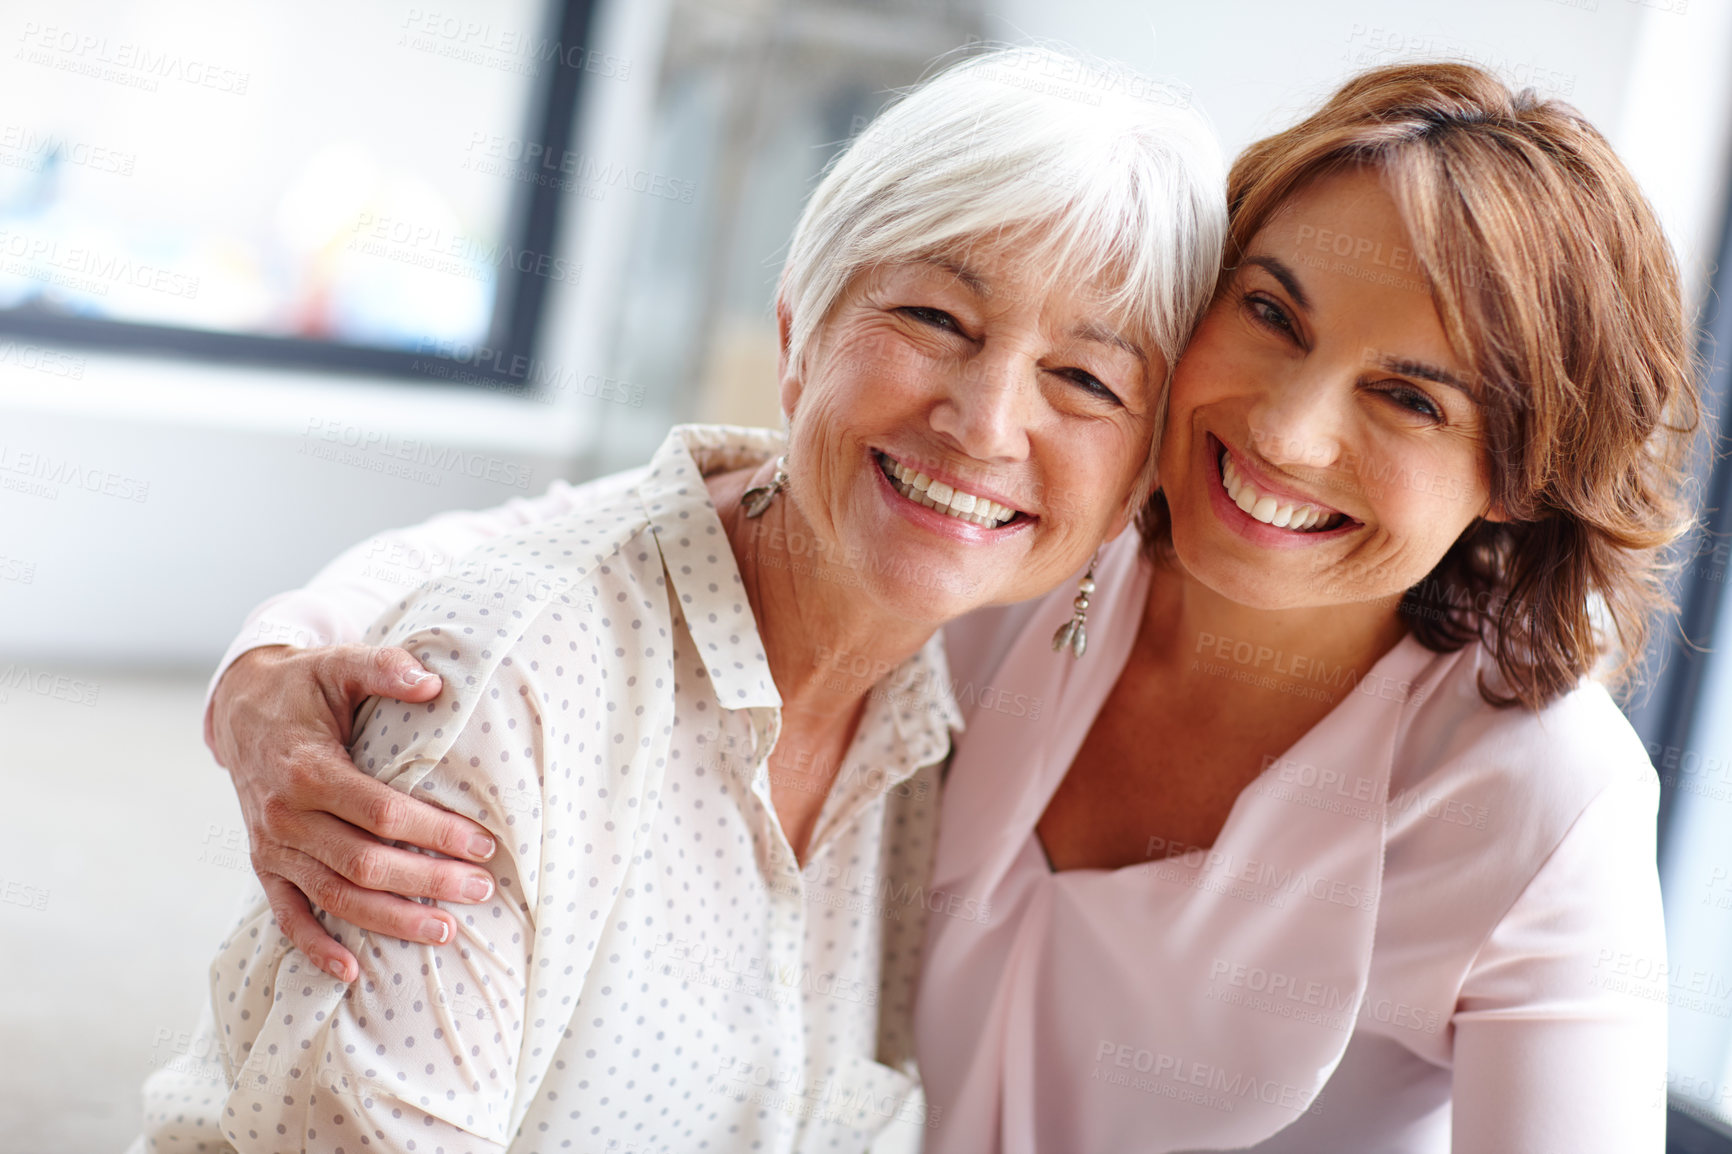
(447, 1042)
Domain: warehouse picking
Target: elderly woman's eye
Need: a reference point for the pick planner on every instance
(1090, 383)
(937, 318)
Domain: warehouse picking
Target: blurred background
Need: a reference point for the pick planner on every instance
(276, 277)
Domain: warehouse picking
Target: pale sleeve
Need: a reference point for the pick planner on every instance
(1560, 1029)
(442, 1047)
(344, 597)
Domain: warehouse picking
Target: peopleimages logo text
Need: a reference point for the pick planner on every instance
(388, 446)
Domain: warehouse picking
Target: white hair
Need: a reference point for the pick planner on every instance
(1102, 176)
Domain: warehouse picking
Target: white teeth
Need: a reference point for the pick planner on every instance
(942, 498)
(1265, 508)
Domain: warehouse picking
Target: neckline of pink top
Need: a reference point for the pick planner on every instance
(1094, 1009)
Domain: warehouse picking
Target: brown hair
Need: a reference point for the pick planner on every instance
(1556, 286)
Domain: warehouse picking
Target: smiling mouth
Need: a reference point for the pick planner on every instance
(1278, 512)
(941, 498)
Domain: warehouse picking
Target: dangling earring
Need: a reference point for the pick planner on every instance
(758, 498)
(1073, 634)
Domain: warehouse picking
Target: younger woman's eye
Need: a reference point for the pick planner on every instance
(1269, 314)
(1415, 401)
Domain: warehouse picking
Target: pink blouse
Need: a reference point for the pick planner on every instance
(1429, 921)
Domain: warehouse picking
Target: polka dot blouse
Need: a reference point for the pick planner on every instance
(656, 972)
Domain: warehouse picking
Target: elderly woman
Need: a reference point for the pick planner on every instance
(1333, 843)
(1330, 840)
(688, 742)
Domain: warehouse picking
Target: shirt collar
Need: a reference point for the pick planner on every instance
(700, 565)
(700, 562)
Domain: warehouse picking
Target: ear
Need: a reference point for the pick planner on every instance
(787, 377)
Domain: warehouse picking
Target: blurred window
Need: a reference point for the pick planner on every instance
(328, 183)
(1686, 723)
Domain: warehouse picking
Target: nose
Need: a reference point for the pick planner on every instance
(1296, 423)
(986, 406)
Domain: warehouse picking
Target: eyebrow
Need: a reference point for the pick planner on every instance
(971, 279)
(1411, 368)
(1088, 331)
(1285, 275)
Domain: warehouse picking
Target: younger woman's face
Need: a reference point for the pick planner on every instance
(1323, 444)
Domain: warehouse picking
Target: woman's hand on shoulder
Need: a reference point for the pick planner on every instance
(280, 722)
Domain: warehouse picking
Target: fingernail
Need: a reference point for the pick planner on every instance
(415, 677)
(480, 846)
(435, 929)
(478, 889)
(334, 967)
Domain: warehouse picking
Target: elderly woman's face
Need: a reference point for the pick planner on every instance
(964, 438)
(1323, 445)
